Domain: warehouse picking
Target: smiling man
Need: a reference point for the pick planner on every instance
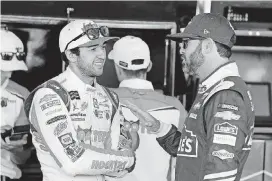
(72, 116)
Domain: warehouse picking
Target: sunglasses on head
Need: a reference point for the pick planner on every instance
(92, 33)
(8, 56)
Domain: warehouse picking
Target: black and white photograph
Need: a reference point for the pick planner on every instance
(136, 90)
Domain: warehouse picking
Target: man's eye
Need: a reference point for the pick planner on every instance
(92, 48)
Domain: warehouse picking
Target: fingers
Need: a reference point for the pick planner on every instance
(4, 128)
(17, 143)
(9, 169)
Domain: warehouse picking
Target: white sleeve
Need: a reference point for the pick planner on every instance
(73, 157)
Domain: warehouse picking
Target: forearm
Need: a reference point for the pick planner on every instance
(96, 163)
(20, 156)
(169, 137)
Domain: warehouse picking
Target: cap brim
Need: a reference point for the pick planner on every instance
(13, 65)
(180, 36)
(99, 41)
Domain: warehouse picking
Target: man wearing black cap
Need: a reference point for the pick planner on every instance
(217, 134)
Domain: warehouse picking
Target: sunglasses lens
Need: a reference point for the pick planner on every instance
(7, 56)
(93, 33)
(20, 55)
(104, 31)
(185, 44)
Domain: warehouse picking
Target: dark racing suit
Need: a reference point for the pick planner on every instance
(217, 135)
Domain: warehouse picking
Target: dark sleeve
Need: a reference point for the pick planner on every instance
(170, 141)
(226, 127)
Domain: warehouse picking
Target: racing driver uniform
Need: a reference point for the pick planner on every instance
(217, 135)
(70, 124)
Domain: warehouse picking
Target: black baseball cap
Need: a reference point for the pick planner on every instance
(208, 25)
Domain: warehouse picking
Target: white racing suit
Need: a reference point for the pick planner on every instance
(12, 114)
(70, 124)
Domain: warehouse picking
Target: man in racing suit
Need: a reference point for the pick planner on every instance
(13, 96)
(72, 116)
(217, 135)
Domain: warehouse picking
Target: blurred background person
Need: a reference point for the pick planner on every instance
(12, 105)
(132, 63)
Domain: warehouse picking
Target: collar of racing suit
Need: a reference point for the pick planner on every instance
(137, 84)
(226, 70)
(72, 77)
(4, 85)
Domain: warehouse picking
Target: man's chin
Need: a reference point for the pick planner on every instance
(98, 73)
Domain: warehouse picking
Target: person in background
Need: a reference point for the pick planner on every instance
(13, 96)
(131, 56)
(217, 136)
(75, 121)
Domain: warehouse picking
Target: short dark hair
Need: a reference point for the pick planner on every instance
(74, 51)
(134, 73)
(223, 50)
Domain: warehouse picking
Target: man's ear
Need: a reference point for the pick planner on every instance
(71, 56)
(149, 66)
(208, 46)
(117, 69)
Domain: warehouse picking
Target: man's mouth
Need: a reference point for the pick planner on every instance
(99, 62)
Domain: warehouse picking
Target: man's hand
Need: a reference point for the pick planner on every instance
(9, 145)
(8, 168)
(118, 174)
(152, 124)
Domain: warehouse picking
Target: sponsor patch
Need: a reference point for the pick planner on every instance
(75, 107)
(227, 115)
(228, 106)
(249, 140)
(78, 116)
(48, 97)
(188, 144)
(98, 114)
(197, 106)
(74, 151)
(84, 106)
(66, 139)
(60, 128)
(4, 101)
(202, 89)
(55, 119)
(74, 95)
(113, 165)
(50, 104)
(251, 103)
(224, 139)
(223, 154)
(193, 115)
(226, 128)
(53, 111)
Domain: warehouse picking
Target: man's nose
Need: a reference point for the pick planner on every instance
(101, 50)
(181, 49)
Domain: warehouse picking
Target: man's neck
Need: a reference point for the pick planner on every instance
(85, 78)
(211, 67)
